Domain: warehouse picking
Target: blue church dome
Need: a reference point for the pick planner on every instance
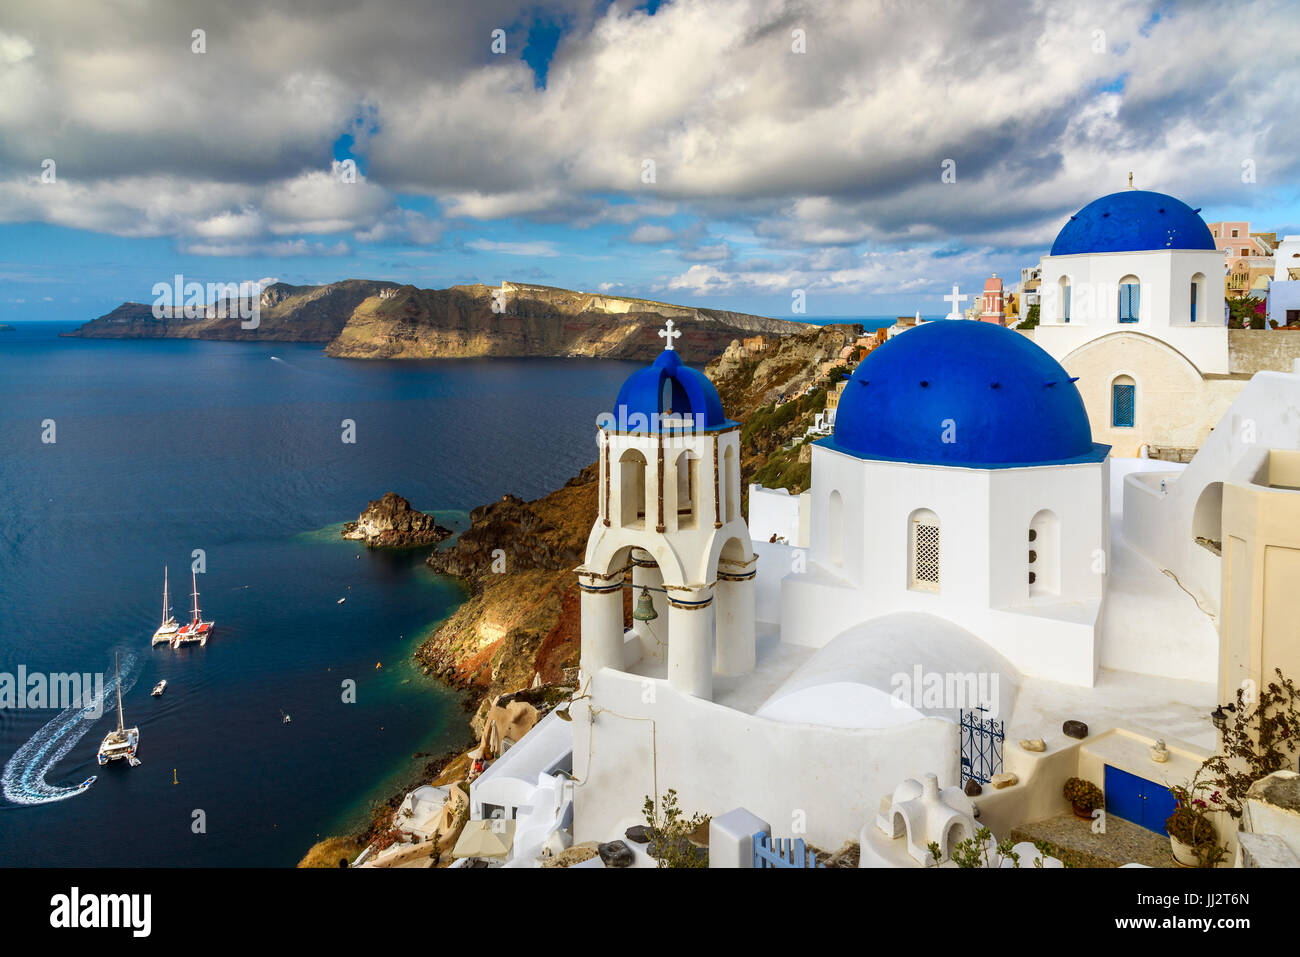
(1133, 220)
(666, 386)
(964, 393)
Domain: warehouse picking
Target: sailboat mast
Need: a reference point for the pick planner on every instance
(195, 582)
(164, 617)
(117, 674)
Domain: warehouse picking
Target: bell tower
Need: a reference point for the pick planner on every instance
(669, 527)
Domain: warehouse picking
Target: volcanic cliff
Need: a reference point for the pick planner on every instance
(365, 319)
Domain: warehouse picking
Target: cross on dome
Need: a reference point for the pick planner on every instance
(956, 299)
(668, 334)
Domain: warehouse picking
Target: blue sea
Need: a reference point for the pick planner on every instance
(162, 448)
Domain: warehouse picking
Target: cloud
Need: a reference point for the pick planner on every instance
(647, 233)
(514, 249)
(1040, 107)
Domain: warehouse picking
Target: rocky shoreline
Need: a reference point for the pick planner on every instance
(391, 522)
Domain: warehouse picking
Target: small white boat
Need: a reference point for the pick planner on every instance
(121, 742)
(88, 782)
(159, 688)
(340, 601)
(167, 630)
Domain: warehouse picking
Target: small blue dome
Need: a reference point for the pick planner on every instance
(1133, 220)
(669, 386)
(964, 393)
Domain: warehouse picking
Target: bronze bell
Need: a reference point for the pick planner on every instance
(645, 607)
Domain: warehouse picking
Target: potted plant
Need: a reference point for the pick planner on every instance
(1193, 838)
(1084, 796)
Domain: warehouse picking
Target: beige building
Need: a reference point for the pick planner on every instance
(1164, 386)
(1260, 534)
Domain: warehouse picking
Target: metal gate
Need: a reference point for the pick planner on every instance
(981, 746)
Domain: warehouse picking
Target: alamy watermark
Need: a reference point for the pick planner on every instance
(670, 424)
(946, 690)
(216, 300)
(57, 690)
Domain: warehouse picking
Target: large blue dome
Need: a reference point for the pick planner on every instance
(965, 393)
(1133, 220)
(668, 386)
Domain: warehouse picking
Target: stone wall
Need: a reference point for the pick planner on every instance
(1257, 350)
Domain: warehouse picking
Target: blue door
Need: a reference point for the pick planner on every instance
(1138, 800)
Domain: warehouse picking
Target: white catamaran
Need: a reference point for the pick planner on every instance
(123, 741)
(167, 630)
(196, 629)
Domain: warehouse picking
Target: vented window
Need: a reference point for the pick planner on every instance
(1123, 403)
(925, 550)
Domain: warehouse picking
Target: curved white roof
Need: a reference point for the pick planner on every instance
(893, 670)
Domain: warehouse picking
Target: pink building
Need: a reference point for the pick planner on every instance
(1235, 240)
(993, 310)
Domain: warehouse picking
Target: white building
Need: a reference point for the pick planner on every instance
(1284, 290)
(959, 528)
(1132, 304)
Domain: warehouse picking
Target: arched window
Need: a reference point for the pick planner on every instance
(631, 488)
(1044, 554)
(1065, 298)
(731, 490)
(1198, 295)
(1129, 299)
(923, 548)
(1123, 402)
(687, 468)
(835, 527)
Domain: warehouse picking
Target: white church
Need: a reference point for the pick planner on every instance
(971, 553)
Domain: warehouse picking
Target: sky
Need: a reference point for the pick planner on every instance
(860, 157)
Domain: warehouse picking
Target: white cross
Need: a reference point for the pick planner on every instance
(956, 301)
(669, 335)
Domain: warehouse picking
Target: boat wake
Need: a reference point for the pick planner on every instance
(23, 779)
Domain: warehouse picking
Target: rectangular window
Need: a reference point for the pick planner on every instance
(1193, 302)
(1129, 296)
(925, 555)
(1122, 401)
(1234, 234)
(1067, 304)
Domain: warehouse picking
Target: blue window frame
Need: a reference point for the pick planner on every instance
(1129, 296)
(1123, 402)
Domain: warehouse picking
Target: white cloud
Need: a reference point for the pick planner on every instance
(647, 233)
(14, 49)
(514, 249)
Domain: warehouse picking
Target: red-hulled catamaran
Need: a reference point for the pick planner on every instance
(196, 629)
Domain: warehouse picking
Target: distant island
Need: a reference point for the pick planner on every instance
(366, 319)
